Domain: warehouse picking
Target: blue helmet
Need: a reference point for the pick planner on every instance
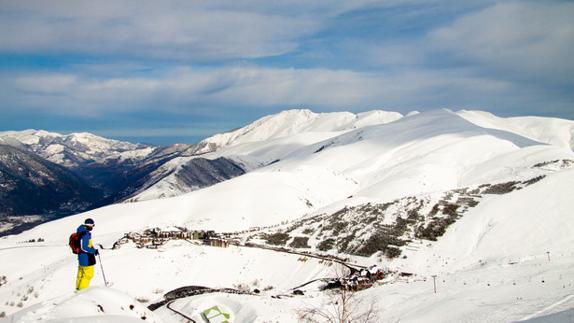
(89, 222)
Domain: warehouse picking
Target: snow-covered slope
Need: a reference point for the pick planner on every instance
(494, 231)
(264, 141)
(423, 153)
(186, 174)
(95, 305)
(554, 131)
(248, 157)
(508, 259)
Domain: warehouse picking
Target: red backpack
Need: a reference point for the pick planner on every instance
(75, 241)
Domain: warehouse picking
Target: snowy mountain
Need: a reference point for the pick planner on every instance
(483, 212)
(260, 143)
(425, 153)
(75, 149)
(115, 169)
(291, 122)
(272, 138)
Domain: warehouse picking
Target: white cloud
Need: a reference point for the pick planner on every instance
(47, 83)
(527, 40)
(504, 56)
(175, 29)
(187, 89)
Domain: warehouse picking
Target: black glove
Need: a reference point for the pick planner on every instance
(97, 252)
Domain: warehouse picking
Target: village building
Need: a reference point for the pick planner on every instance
(155, 238)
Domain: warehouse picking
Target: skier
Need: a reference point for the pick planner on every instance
(86, 256)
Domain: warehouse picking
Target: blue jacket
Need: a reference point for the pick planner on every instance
(87, 256)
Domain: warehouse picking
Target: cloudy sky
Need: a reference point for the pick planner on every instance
(178, 71)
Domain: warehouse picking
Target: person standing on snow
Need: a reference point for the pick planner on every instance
(86, 256)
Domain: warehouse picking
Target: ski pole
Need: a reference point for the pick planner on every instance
(102, 267)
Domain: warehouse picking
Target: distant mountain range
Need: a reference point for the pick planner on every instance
(45, 173)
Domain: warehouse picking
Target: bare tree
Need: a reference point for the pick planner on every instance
(344, 306)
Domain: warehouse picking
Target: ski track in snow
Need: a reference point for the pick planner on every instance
(548, 308)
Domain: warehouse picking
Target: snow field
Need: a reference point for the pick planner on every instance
(147, 274)
(182, 264)
(96, 304)
(490, 293)
(553, 131)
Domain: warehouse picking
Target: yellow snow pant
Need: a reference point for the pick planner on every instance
(85, 274)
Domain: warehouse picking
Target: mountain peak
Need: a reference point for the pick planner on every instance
(294, 121)
(301, 111)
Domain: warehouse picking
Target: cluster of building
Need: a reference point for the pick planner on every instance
(358, 280)
(154, 238)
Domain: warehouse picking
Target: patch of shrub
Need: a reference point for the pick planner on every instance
(399, 228)
(392, 252)
(542, 164)
(472, 203)
(533, 180)
(308, 231)
(278, 238)
(501, 188)
(450, 209)
(474, 191)
(339, 226)
(469, 201)
(436, 228)
(434, 210)
(371, 219)
(379, 241)
(343, 244)
(326, 244)
(299, 242)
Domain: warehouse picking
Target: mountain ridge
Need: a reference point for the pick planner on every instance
(132, 172)
(433, 199)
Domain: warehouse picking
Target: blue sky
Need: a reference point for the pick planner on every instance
(177, 71)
